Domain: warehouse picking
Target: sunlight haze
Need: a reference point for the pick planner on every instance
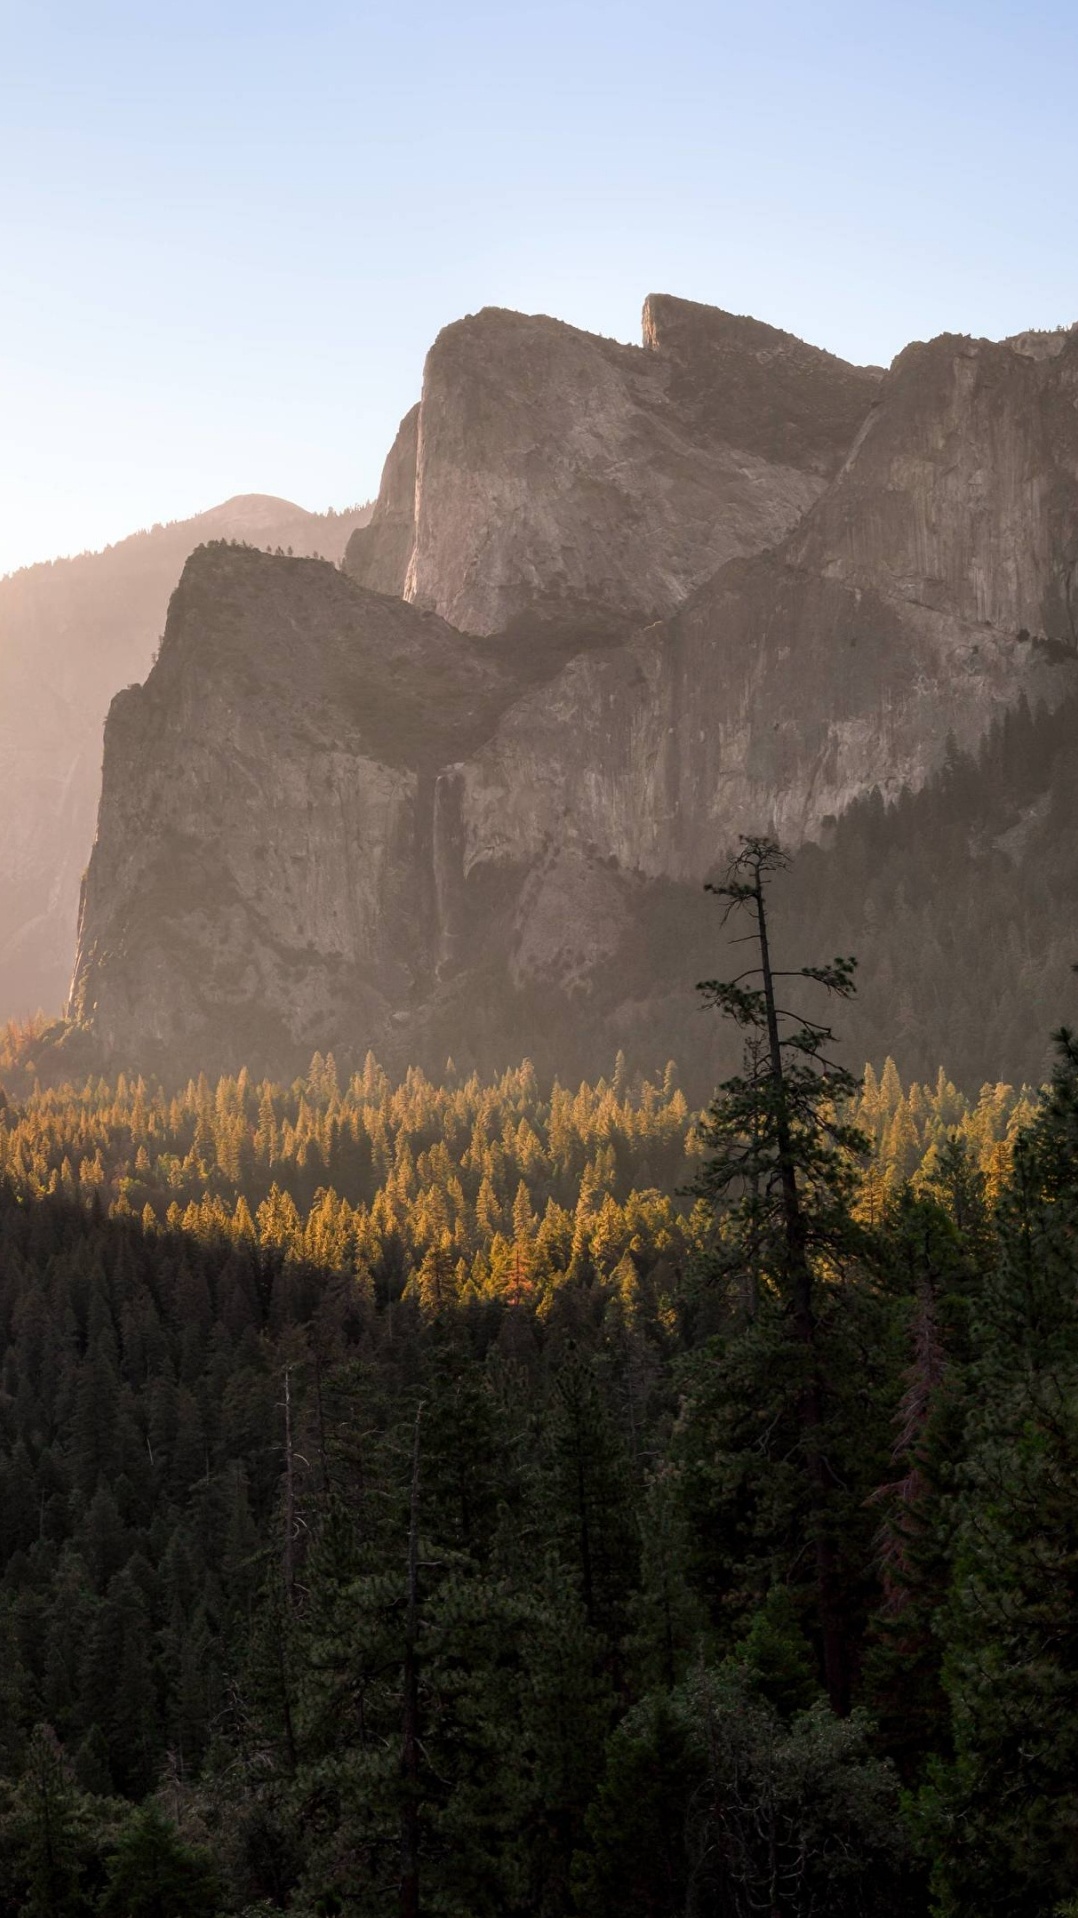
(230, 235)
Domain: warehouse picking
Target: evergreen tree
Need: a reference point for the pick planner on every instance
(713, 1803)
(780, 1175)
(46, 1839)
(1001, 1815)
(152, 1873)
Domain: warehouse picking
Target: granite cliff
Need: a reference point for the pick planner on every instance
(931, 585)
(72, 632)
(274, 813)
(333, 817)
(548, 475)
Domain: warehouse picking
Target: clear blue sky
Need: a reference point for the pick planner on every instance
(230, 231)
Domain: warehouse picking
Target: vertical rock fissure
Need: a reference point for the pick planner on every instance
(447, 868)
(426, 897)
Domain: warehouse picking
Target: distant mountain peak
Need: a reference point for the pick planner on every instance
(251, 513)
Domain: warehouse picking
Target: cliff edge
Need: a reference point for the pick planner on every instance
(550, 475)
(334, 818)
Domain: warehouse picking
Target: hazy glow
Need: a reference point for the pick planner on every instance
(229, 233)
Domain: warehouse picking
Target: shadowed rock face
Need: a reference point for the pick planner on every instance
(551, 475)
(71, 633)
(755, 387)
(330, 817)
(924, 592)
(961, 495)
(380, 553)
(277, 843)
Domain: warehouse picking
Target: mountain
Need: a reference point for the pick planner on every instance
(72, 632)
(333, 817)
(932, 584)
(551, 476)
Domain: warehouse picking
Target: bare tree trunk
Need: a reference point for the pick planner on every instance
(799, 1274)
(408, 1901)
(797, 1263)
(288, 1556)
(323, 1462)
(286, 1698)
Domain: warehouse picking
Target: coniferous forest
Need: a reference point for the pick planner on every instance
(503, 1498)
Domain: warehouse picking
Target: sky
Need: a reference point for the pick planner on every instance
(229, 232)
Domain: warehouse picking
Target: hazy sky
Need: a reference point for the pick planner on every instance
(230, 231)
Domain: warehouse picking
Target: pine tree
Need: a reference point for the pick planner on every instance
(780, 1175)
(44, 1834)
(153, 1873)
(934, 1269)
(1001, 1815)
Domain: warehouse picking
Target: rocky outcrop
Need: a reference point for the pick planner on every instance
(379, 554)
(756, 387)
(554, 476)
(331, 817)
(278, 843)
(961, 495)
(927, 590)
(71, 634)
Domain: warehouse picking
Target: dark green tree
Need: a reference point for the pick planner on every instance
(1001, 1816)
(46, 1836)
(154, 1873)
(936, 1260)
(782, 1160)
(713, 1803)
(780, 1176)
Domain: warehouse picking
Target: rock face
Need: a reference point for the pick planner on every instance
(278, 839)
(379, 554)
(551, 475)
(932, 584)
(330, 817)
(71, 633)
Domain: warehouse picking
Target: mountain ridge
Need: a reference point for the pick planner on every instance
(72, 632)
(513, 868)
(552, 475)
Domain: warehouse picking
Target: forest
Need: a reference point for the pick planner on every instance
(474, 1498)
(961, 902)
